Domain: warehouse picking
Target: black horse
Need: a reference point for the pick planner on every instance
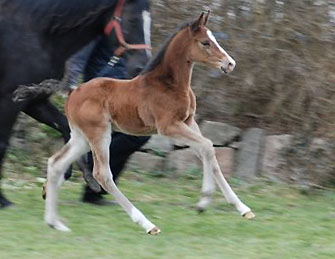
(38, 36)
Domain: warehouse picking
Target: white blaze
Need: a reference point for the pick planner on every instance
(147, 30)
(213, 39)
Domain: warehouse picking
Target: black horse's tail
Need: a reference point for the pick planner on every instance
(41, 90)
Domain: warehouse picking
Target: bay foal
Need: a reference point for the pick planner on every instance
(160, 100)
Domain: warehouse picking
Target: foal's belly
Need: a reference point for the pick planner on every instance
(131, 130)
(129, 122)
(129, 114)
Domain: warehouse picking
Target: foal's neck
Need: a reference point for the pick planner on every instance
(175, 70)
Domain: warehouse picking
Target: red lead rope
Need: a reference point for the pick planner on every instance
(114, 23)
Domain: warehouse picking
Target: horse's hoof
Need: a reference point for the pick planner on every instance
(93, 184)
(44, 192)
(59, 226)
(87, 174)
(203, 204)
(155, 231)
(200, 210)
(249, 215)
(4, 203)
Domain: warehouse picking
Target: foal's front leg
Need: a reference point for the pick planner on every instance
(208, 184)
(99, 141)
(204, 147)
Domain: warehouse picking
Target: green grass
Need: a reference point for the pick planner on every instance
(287, 225)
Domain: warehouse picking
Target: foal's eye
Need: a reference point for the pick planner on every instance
(206, 43)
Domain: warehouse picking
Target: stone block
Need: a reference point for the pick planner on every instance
(185, 160)
(182, 160)
(273, 156)
(220, 134)
(145, 161)
(159, 144)
(249, 154)
(225, 157)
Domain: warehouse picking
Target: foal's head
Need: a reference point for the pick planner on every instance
(206, 49)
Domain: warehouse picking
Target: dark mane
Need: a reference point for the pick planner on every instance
(155, 61)
(55, 15)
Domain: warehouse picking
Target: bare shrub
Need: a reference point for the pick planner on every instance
(284, 80)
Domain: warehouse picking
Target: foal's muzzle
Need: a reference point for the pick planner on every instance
(228, 66)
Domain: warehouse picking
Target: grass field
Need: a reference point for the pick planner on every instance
(288, 224)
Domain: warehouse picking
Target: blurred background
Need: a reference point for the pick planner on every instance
(284, 81)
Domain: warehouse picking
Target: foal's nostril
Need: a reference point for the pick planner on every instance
(231, 65)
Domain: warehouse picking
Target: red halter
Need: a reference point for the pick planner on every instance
(114, 23)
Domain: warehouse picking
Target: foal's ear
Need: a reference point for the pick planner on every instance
(207, 16)
(195, 26)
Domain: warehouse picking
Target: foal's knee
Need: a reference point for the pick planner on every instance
(207, 149)
(52, 171)
(55, 166)
(102, 177)
(96, 175)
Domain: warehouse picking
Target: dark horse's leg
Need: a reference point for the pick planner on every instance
(45, 112)
(8, 115)
(121, 148)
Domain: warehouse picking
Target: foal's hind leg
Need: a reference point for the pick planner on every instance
(45, 112)
(57, 166)
(99, 139)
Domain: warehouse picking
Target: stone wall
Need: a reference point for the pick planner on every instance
(244, 154)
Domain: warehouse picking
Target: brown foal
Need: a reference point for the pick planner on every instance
(159, 101)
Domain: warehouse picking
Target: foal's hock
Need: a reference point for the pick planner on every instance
(160, 100)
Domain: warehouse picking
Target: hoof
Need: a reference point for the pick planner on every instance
(59, 226)
(4, 203)
(200, 210)
(100, 202)
(203, 204)
(155, 231)
(44, 191)
(249, 215)
(87, 174)
(93, 184)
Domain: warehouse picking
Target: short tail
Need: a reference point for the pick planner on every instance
(41, 90)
